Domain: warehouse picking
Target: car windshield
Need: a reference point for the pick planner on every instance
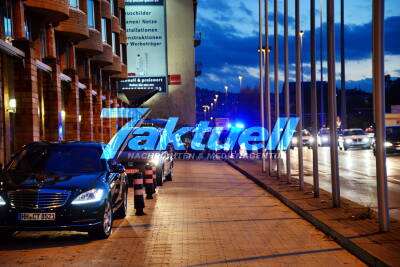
(58, 159)
(393, 133)
(324, 131)
(354, 132)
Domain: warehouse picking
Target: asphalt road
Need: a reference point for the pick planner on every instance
(357, 175)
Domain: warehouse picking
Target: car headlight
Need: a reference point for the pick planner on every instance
(294, 140)
(388, 144)
(155, 160)
(2, 201)
(325, 139)
(348, 141)
(90, 196)
(311, 140)
(365, 139)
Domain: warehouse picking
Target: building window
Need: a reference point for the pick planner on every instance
(122, 18)
(42, 40)
(90, 14)
(6, 11)
(114, 43)
(104, 29)
(123, 54)
(27, 26)
(74, 3)
(112, 7)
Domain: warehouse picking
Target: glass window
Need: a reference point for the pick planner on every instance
(112, 7)
(114, 43)
(104, 29)
(90, 14)
(74, 3)
(58, 160)
(27, 26)
(7, 18)
(42, 38)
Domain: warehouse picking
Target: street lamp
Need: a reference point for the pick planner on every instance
(301, 34)
(240, 77)
(226, 90)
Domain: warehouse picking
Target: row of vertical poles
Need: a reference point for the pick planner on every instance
(379, 93)
(267, 84)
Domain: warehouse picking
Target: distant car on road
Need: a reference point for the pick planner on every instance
(62, 186)
(392, 144)
(308, 139)
(354, 138)
(323, 137)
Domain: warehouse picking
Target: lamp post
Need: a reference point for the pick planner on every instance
(286, 74)
(301, 34)
(262, 109)
(240, 77)
(226, 90)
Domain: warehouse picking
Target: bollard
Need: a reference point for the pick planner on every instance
(154, 178)
(138, 193)
(148, 181)
(129, 173)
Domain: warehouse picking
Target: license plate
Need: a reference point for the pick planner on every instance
(36, 216)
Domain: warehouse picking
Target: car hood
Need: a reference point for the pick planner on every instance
(22, 180)
(356, 136)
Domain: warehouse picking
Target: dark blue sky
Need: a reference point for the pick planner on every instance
(230, 40)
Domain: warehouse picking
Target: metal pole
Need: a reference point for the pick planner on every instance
(314, 117)
(321, 86)
(287, 94)
(268, 90)
(332, 103)
(276, 76)
(342, 68)
(261, 82)
(298, 97)
(379, 111)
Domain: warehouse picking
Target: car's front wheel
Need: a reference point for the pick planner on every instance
(103, 230)
(123, 209)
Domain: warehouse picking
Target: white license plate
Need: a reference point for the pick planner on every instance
(36, 216)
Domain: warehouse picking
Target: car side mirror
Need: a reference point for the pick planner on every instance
(118, 168)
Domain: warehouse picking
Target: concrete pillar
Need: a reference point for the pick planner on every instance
(72, 109)
(97, 120)
(26, 95)
(53, 104)
(114, 121)
(107, 121)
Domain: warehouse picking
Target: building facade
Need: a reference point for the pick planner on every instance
(180, 101)
(60, 61)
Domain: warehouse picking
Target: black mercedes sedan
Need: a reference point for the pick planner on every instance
(62, 186)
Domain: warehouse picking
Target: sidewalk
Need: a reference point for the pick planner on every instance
(209, 215)
(352, 225)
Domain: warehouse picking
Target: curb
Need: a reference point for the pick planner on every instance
(346, 243)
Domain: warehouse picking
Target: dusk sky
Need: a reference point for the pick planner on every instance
(230, 40)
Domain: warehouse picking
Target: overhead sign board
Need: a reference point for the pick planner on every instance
(146, 45)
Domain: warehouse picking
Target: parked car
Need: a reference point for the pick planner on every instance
(308, 139)
(354, 138)
(323, 137)
(392, 144)
(136, 161)
(62, 186)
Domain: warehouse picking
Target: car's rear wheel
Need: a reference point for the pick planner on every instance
(159, 176)
(103, 230)
(170, 174)
(123, 209)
